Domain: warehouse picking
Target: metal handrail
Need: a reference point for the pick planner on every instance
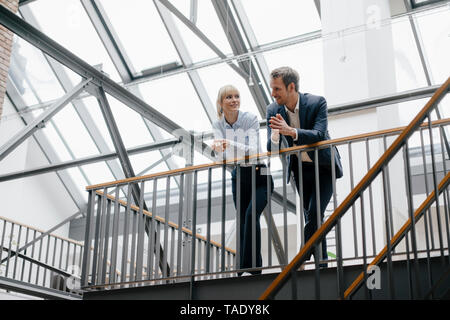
(321, 144)
(171, 224)
(399, 235)
(279, 281)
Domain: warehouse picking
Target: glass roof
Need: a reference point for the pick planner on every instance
(187, 93)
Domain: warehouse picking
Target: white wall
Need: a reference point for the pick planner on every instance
(38, 201)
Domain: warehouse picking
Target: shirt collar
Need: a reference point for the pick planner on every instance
(297, 106)
(237, 123)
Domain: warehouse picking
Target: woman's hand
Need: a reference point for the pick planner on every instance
(220, 145)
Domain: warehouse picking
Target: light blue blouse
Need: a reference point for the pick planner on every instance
(243, 136)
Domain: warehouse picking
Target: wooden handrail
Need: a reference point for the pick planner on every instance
(354, 194)
(162, 220)
(38, 230)
(399, 235)
(337, 141)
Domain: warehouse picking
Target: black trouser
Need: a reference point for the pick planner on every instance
(245, 205)
(310, 200)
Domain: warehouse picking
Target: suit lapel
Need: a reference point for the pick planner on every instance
(302, 110)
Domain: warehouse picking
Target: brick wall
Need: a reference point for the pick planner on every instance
(6, 38)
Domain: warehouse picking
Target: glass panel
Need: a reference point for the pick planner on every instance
(276, 20)
(408, 67)
(79, 181)
(56, 142)
(307, 59)
(97, 116)
(208, 23)
(142, 161)
(175, 97)
(98, 172)
(434, 27)
(32, 75)
(67, 23)
(74, 132)
(141, 32)
(131, 126)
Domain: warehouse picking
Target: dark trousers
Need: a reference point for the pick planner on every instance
(245, 205)
(310, 198)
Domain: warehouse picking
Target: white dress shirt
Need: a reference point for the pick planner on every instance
(294, 122)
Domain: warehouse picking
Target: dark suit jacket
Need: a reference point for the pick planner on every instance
(313, 113)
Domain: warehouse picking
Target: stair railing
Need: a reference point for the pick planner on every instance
(357, 193)
(396, 239)
(36, 257)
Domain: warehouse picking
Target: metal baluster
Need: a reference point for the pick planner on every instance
(436, 190)
(172, 249)
(269, 214)
(208, 224)
(217, 256)
(427, 214)
(409, 195)
(372, 219)
(180, 227)
(166, 225)
(445, 192)
(124, 271)
(17, 253)
(338, 231)
(46, 256)
(318, 247)
(253, 216)
(3, 239)
(367, 294)
(141, 230)
(388, 184)
(39, 259)
(32, 255)
(152, 235)
(387, 209)
(102, 220)
(53, 262)
(11, 235)
(283, 156)
(87, 239)
(106, 248)
(238, 217)
(115, 237)
(59, 265)
(158, 248)
(222, 267)
(408, 268)
(134, 217)
(96, 240)
(24, 253)
(194, 237)
(427, 190)
(300, 192)
(352, 186)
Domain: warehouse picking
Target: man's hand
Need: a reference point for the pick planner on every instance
(220, 145)
(278, 123)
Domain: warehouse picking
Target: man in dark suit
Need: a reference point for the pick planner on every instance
(299, 119)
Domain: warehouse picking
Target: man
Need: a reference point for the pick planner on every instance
(300, 119)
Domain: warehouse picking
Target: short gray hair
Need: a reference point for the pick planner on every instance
(287, 74)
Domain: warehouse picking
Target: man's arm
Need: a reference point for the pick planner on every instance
(320, 127)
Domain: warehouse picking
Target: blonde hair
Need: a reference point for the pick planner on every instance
(222, 93)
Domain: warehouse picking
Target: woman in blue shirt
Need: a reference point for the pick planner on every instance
(236, 135)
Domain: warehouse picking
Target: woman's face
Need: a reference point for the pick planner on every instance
(231, 101)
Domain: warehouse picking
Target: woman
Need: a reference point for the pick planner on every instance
(237, 135)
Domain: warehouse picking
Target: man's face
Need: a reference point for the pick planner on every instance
(279, 90)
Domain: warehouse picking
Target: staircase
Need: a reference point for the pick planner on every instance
(388, 238)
